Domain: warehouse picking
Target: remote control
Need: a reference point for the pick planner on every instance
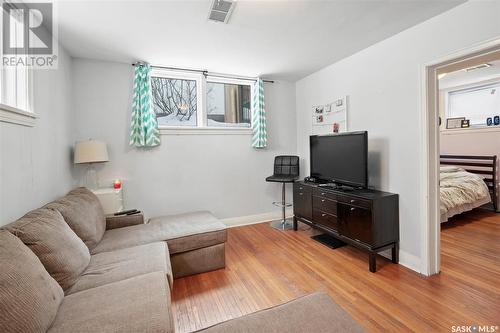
(126, 212)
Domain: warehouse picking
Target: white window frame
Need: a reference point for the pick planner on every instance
(201, 106)
(170, 74)
(13, 113)
(465, 89)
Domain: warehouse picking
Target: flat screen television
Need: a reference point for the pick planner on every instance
(340, 158)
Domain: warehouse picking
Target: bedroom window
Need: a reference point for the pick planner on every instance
(192, 101)
(477, 103)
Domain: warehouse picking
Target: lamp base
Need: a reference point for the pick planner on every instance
(90, 180)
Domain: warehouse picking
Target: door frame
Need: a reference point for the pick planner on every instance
(431, 247)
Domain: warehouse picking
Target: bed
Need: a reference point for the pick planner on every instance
(466, 182)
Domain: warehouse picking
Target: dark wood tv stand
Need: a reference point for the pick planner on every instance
(364, 218)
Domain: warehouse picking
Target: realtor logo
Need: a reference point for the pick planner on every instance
(27, 34)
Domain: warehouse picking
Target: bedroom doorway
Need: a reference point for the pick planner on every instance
(457, 136)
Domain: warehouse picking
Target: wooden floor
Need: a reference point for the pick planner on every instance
(266, 267)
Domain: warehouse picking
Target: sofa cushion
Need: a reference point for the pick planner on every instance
(138, 304)
(83, 212)
(108, 267)
(312, 313)
(29, 296)
(63, 254)
(183, 232)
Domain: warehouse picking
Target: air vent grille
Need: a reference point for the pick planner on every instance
(473, 68)
(221, 10)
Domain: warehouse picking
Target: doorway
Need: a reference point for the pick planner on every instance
(478, 55)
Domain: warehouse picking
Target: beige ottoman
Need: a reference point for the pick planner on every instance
(196, 242)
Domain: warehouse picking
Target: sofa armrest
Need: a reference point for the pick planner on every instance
(114, 222)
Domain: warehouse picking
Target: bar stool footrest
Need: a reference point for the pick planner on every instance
(280, 204)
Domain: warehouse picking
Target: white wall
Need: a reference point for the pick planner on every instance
(384, 87)
(36, 161)
(220, 173)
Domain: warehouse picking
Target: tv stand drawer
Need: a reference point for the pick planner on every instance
(353, 201)
(326, 205)
(328, 220)
(302, 201)
(320, 192)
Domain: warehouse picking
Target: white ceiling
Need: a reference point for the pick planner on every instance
(274, 39)
(461, 77)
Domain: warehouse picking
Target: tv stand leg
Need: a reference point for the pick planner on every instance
(395, 253)
(295, 224)
(373, 262)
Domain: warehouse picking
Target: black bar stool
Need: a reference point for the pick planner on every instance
(286, 170)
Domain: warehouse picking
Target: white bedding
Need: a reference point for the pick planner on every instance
(460, 191)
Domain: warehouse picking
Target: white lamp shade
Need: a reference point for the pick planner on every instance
(91, 151)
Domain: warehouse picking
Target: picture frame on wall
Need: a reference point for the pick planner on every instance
(324, 116)
(452, 123)
(318, 115)
(318, 109)
(340, 104)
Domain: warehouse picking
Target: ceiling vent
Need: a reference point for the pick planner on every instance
(221, 10)
(473, 68)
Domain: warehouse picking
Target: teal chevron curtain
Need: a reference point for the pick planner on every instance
(144, 130)
(259, 138)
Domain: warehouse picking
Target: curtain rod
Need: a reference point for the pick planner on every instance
(206, 73)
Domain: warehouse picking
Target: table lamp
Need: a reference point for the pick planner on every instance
(91, 152)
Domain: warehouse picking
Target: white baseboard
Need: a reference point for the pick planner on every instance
(254, 219)
(408, 260)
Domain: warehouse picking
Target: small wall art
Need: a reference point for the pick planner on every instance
(318, 115)
(327, 115)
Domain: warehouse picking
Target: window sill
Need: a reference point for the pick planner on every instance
(204, 131)
(481, 129)
(12, 115)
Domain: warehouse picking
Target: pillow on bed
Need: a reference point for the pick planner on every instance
(450, 169)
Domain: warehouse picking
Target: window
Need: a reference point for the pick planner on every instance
(174, 101)
(228, 105)
(476, 104)
(186, 100)
(15, 89)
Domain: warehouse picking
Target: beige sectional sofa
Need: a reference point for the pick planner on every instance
(104, 274)
(65, 267)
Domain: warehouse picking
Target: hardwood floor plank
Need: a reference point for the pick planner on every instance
(267, 267)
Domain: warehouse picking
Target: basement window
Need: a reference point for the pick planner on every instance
(175, 101)
(228, 104)
(187, 102)
(476, 103)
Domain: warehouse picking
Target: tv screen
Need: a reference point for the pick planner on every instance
(340, 158)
